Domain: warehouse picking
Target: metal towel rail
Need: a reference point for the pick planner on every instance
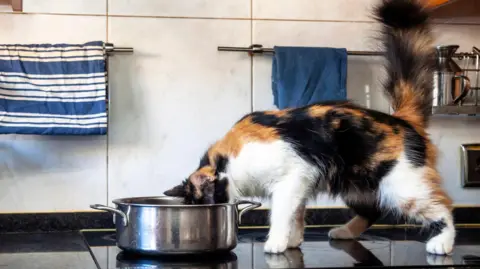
(259, 49)
(474, 109)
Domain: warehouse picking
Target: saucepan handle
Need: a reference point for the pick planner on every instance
(112, 210)
(465, 90)
(252, 205)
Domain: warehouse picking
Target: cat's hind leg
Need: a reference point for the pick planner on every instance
(416, 193)
(366, 216)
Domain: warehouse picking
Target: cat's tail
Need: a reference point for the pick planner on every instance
(407, 42)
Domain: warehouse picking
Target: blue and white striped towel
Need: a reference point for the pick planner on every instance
(53, 89)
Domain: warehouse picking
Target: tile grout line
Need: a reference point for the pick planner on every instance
(109, 111)
(227, 18)
(252, 92)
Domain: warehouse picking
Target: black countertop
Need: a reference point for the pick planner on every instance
(45, 250)
(381, 248)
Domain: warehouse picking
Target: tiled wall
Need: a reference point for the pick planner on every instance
(176, 94)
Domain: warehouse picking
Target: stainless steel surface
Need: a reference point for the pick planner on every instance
(450, 85)
(470, 165)
(113, 210)
(476, 50)
(164, 225)
(456, 110)
(110, 48)
(259, 49)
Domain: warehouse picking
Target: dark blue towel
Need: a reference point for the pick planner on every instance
(303, 76)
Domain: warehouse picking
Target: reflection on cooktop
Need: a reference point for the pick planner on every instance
(378, 248)
(224, 260)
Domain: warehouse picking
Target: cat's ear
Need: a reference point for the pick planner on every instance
(199, 178)
(177, 191)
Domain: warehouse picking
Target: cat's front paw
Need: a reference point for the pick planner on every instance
(295, 239)
(441, 244)
(276, 245)
(341, 232)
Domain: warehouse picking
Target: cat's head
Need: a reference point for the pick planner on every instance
(204, 186)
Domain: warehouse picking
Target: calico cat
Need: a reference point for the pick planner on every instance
(374, 161)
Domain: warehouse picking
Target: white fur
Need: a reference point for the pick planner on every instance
(405, 183)
(273, 169)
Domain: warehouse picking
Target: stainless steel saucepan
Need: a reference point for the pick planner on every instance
(165, 225)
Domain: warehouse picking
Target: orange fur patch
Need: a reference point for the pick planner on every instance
(406, 106)
(243, 132)
(318, 111)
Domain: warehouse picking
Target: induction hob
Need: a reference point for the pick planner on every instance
(377, 248)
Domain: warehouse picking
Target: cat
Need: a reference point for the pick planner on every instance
(375, 162)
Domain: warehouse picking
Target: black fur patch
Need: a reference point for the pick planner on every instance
(221, 163)
(204, 161)
(221, 191)
(402, 14)
(370, 212)
(415, 144)
(437, 227)
(344, 151)
(415, 148)
(264, 119)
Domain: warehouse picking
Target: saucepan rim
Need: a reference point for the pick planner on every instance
(125, 202)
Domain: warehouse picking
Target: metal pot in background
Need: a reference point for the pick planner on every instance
(450, 85)
(164, 225)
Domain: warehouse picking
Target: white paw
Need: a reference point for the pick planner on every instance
(276, 244)
(295, 240)
(341, 232)
(441, 244)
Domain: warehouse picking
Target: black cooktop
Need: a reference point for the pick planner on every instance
(378, 248)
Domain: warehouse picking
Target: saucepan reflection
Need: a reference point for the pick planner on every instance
(221, 261)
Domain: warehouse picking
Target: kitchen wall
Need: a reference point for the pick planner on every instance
(177, 94)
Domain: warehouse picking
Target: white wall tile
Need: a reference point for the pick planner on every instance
(172, 98)
(338, 10)
(31, 28)
(50, 173)
(181, 8)
(92, 7)
(448, 133)
(353, 36)
(464, 35)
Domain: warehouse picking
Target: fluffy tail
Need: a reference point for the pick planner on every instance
(407, 41)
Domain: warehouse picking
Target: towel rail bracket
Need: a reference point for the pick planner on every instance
(111, 49)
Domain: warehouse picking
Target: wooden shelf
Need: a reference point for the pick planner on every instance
(437, 3)
(16, 5)
(461, 11)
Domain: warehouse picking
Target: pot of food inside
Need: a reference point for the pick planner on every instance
(165, 225)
